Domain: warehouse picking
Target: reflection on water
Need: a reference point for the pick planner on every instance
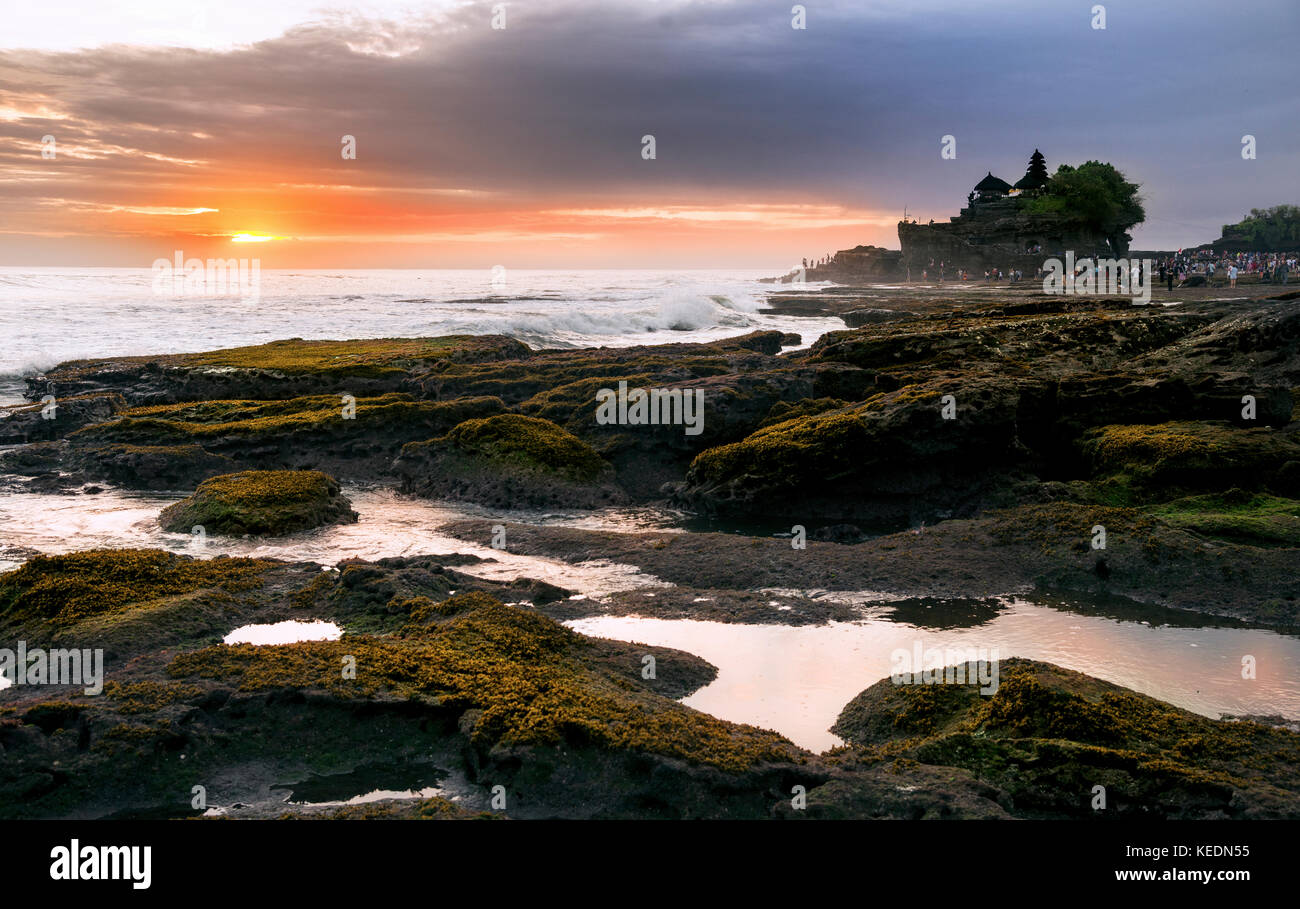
(389, 525)
(796, 679)
(288, 632)
(943, 615)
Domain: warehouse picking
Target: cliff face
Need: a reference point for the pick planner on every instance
(995, 234)
(988, 234)
(854, 266)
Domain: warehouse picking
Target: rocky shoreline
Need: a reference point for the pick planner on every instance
(949, 446)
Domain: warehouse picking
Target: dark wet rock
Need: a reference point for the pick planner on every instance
(177, 446)
(261, 503)
(510, 461)
(41, 422)
(181, 466)
(493, 694)
(1046, 545)
(859, 317)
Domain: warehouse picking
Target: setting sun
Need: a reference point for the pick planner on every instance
(252, 238)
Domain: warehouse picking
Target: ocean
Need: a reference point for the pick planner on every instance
(49, 315)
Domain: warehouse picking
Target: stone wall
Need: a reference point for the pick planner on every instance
(994, 234)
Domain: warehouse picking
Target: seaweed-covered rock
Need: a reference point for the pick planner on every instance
(77, 588)
(1047, 735)
(279, 369)
(509, 460)
(889, 459)
(1203, 456)
(355, 439)
(261, 502)
(1238, 515)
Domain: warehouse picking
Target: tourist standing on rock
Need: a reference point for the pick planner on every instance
(1232, 275)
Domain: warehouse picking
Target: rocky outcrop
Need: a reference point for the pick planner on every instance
(43, 422)
(280, 369)
(509, 461)
(859, 265)
(261, 503)
(1023, 393)
(1038, 743)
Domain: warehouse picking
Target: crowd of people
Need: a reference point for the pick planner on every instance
(1272, 268)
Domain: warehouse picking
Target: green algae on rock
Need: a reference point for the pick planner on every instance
(521, 677)
(1194, 455)
(1048, 735)
(213, 437)
(278, 369)
(63, 590)
(509, 460)
(261, 503)
(1254, 518)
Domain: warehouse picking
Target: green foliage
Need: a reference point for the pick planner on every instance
(1095, 196)
(1276, 228)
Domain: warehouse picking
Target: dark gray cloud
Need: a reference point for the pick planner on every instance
(743, 107)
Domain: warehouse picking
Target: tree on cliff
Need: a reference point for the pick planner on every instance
(1094, 196)
(1275, 229)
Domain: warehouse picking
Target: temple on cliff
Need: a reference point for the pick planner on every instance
(994, 231)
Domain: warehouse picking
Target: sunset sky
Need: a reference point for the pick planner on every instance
(183, 125)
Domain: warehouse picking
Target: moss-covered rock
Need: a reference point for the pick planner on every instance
(64, 590)
(175, 446)
(1166, 457)
(1254, 518)
(521, 676)
(279, 369)
(1047, 736)
(261, 502)
(892, 458)
(509, 460)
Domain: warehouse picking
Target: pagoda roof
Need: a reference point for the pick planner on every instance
(1028, 181)
(992, 184)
